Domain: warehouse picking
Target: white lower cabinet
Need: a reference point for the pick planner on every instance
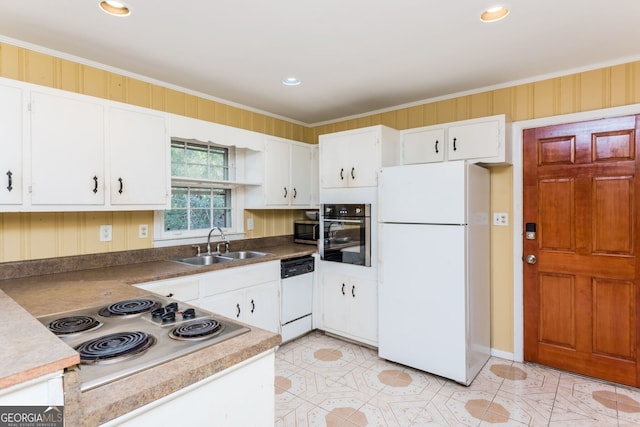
(239, 396)
(256, 305)
(249, 294)
(185, 289)
(349, 307)
(42, 391)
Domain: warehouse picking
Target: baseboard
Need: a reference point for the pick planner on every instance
(502, 354)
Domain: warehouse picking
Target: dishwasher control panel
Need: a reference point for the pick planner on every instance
(296, 266)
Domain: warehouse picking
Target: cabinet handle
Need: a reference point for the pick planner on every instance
(285, 192)
(238, 308)
(352, 175)
(353, 291)
(95, 184)
(253, 306)
(436, 146)
(343, 289)
(342, 173)
(120, 181)
(10, 181)
(170, 295)
(454, 144)
(295, 192)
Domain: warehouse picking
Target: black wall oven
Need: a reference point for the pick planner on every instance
(346, 230)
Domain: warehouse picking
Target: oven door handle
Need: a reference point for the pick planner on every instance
(350, 221)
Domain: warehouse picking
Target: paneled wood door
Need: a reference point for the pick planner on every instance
(581, 297)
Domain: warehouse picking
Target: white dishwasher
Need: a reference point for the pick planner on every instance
(297, 296)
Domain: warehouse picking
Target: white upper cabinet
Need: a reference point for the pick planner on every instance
(286, 169)
(63, 151)
(11, 169)
(423, 145)
(67, 150)
(352, 158)
(484, 140)
(139, 145)
(301, 170)
(481, 140)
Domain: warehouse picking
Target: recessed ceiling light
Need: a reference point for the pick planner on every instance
(291, 81)
(494, 14)
(115, 8)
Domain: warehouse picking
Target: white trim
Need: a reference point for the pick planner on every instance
(115, 70)
(509, 84)
(502, 354)
(517, 128)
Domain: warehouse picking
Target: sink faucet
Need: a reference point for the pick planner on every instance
(224, 241)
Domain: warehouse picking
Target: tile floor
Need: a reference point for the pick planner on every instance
(324, 381)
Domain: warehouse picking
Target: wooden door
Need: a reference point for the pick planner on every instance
(581, 296)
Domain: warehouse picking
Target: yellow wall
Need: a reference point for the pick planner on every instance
(603, 88)
(37, 235)
(43, 235)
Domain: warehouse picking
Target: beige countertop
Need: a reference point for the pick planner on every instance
(39, 352)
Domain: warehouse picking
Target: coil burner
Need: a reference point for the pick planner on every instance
(194, 330)
(114, 347)
(73, 325)
(129, 307)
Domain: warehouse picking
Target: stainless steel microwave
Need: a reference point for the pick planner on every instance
(306, 231)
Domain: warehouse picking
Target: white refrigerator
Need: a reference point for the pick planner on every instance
(434, 268)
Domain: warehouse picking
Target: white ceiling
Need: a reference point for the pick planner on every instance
(353, 56)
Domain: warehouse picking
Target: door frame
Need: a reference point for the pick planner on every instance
(517, 170)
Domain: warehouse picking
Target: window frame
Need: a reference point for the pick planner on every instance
(164, 237)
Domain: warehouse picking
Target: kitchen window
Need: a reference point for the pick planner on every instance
(200, 195)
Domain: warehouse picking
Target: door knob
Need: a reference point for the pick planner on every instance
(531, 259)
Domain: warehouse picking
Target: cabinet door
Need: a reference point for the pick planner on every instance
(277, 172)
(335, 312)
(262, 306)
(362, 162)
(228, 304)
(138, 158)
(332, 157)
(364, 310)
(314, 186)
(424, 146)
(11, 113)
(350, 307)
(300, 194)
(67, 151)
(473, 141)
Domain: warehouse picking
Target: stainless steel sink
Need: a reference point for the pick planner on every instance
(243, 254)
(201, 260)
(204, 260)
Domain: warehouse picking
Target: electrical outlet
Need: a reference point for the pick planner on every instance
(501, 219)
(105, 233)
(249, 223)
(143, 231)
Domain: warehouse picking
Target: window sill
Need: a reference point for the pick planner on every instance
(194, 239)
(194, 182)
